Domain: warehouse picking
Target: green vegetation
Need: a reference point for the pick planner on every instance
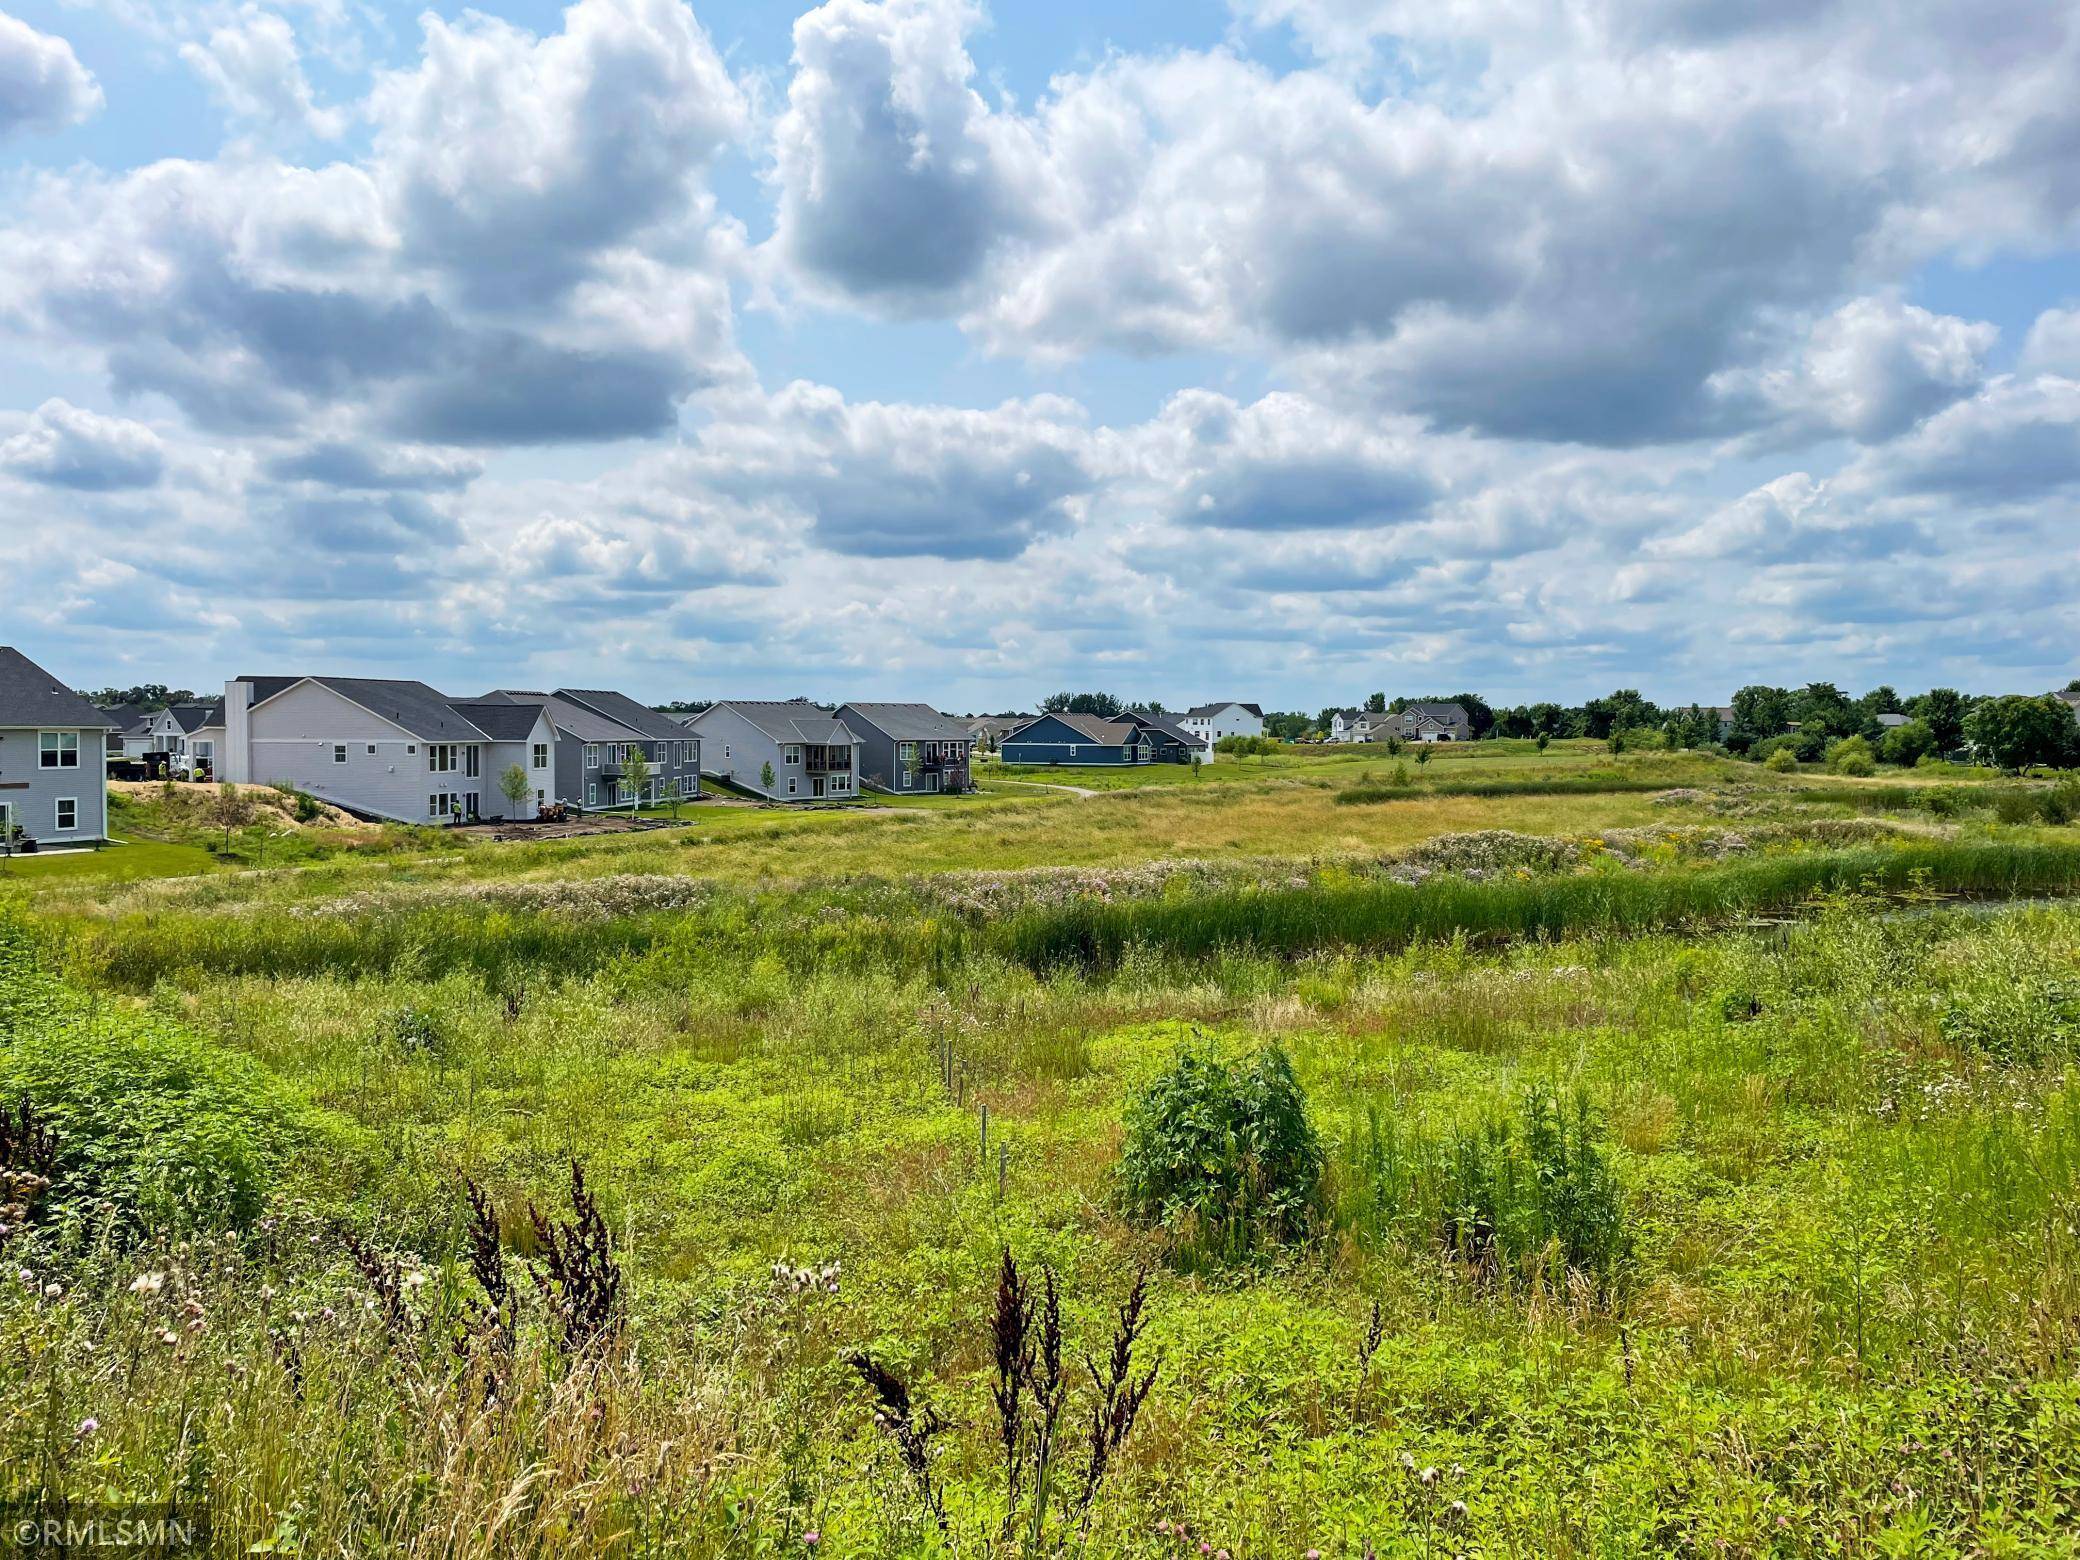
(1693, 1170)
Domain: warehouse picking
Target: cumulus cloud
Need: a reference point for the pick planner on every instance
(2053, 344)
(43, 86)
(888, 480)
(252, 67)
(896, 180)
(65, 446)
(2016, 442)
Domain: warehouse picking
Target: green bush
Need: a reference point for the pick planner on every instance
(1249, 747)
(1907, 745)
(1852, 756)
(2017, 807)
(156, 1128)
(2061, 804)
(1223, 1152)
(1780, 761)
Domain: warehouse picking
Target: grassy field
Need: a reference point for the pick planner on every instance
(1602, 1172)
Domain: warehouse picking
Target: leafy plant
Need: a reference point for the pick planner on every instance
(1223, 1152)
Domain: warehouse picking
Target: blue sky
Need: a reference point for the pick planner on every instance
(1283, 349)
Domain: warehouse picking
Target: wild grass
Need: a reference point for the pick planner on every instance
(1797, 1274)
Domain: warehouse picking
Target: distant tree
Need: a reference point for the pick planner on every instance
(1106, 705)
(1055, 703)
(1851, 756)
(1543, 740)
(2018, 732)
(150, 696)
(1824, 708)
(1904, 745)
(1944, 709)
(687, 706)
(1423, 752)
(1376, 703)
(765, 775)
(635, 772)
(1151, 707)
(1287, 725)
(2072, 686)
(513, 786)
(1759, 712)
(1327, 719)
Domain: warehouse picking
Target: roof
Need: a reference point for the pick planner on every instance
(907, 722)
(1162, 725)
(31, 696)
(619, 706)
(1890, 719)
(1199, 710)
(1108, 733)
(404, 702)
(191, 718)
(573, 720)
(1453, 711)
(786, 720)
(502, 720)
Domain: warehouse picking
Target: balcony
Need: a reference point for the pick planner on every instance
(827, 760)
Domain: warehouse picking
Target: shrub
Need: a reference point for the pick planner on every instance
(1780, 761)
(1851, 756)
(1908, 744)
(2016, 807)
(1537, 1189)
(2061, 804)
(2015, 1020)
(1248, 747)
(1223, 1151)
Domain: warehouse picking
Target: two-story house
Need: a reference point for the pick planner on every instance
(1169, 742)
(909, 748)
(1229, 718)
(53, 757)
(673, 753)
(787, 750)
(594, 731)
(383, 747)
(189, 736)
(1425, 723)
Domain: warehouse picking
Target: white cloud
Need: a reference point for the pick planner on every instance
(65, 446)
(43, 86)
(252, 67)
(2053, 344)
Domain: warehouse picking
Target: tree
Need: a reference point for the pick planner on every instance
(1851, 756)
(1944, 709)
(1759, 712)
(1376, 703)
(765, 775)
(1423, 752)
(231, 809)
(2018, 732)
(1824, 708)
(513, 786)
(1102, 704)
(1904, 745)
(635, 772)
(1543, 741)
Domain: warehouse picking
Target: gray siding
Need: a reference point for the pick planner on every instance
(384, 771)
(733, 748)
(31, 793)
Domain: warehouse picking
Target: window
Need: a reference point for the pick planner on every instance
(68, 814)
(725, 750)
(908, 752)
(58, 750)
(791, 754)
(790, 785)
(339, 752)
(473, 761)
(371, 750)
(591, 793)
(592, 755)
(411, 747)
(541, 755)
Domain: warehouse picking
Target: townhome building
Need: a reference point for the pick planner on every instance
(588, 751)
(673, 752)
(785, 750)
(53, 758)
(1063, 738)
(909, 748)
(1169, 742)
(388, 748)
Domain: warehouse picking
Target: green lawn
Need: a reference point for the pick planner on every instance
(116, 863)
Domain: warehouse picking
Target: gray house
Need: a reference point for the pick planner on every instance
(53, 757)
(674, 752)
(190, 735)
(1425, 723)
(590, 749)
(788, 750)
(909, 748)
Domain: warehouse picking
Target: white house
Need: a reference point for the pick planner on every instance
(1210, 722)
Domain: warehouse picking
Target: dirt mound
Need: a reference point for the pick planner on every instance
(188, 801)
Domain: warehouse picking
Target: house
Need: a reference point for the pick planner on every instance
(53, 757)
(673, 752)
(1343, 725)
(909, 748)
(787, 750)
(1891, 720)
(1363, 726)
(1062, 738)
(189, 735)
(131, 731)
(381, 747)
(2070, 697)
(1425, 723)
(587, 750)
(520, 733)
(1172, 744)
(1211, 722)
(986, 733)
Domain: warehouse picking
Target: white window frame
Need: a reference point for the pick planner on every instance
(371, 750)
(790, 785)
(791, 753)
(339, 752)
(50, 745)
(540, 755)
(58, 807)
(591, 793)
(472, 761)
(592, 755)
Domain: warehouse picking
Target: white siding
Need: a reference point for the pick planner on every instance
(292, 740)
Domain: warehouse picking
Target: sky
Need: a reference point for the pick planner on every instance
(1276, 350)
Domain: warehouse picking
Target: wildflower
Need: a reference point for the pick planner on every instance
(147, 1283)
(1408, 1461)
(169, 1338)
(812, 1538)
(53, 1291)
(86, 1428)
(1457, 1509)
(1428, 1476)
(1313, 1554)
(414, 1279)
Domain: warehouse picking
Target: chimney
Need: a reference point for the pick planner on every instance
(236, 762)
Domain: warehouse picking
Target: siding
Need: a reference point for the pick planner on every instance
(31, 793)
(292, 738)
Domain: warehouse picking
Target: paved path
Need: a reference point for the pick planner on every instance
(1050, 785)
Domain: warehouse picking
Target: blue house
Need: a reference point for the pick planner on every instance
(1077, 739)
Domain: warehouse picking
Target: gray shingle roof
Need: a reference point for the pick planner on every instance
(573, 720)
(619, 706)
(1201, 711)
(789, 720)
(500, 720)
(404, 702)
(1107, 733)
(191, 718)
(31, 696)
(1162, 725)
(907, 722)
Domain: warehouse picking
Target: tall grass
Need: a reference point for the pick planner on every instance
(1600, 782)
(1391, 915)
